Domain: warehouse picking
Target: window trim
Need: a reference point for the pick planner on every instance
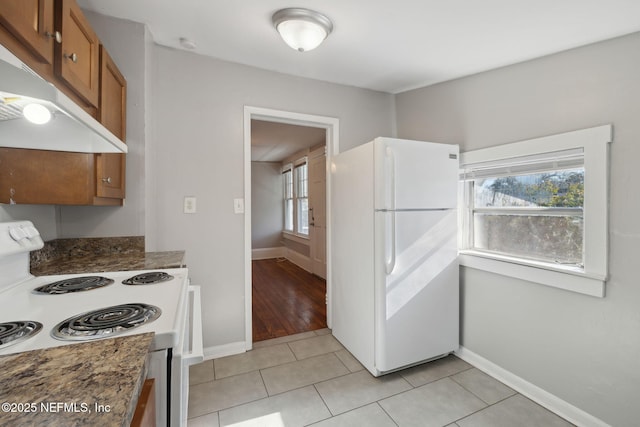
(290, 167)
(592, 279)
(297, 181)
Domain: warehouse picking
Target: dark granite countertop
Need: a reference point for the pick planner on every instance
(88, 384)
(102, 254)
(97, 263)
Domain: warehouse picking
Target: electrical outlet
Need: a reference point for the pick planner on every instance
(189, 205)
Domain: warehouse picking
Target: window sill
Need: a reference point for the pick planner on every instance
(563, 278)
(296, 237)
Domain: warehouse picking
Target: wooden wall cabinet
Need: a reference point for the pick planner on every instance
(77, 55)
(31, 22)
(50, 178)
(54, 38)
(45, 35)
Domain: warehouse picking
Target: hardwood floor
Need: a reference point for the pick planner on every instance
(286, 299)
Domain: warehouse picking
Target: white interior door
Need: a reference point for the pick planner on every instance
(317, 212)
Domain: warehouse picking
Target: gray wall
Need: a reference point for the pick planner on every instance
(196, 149)
(582, 349)
(43, 217)
(266, 205)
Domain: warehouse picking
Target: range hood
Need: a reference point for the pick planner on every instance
(70, 128)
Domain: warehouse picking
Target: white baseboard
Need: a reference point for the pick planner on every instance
(553, 403)
(224, 350)
(267, 253)
(298, 259)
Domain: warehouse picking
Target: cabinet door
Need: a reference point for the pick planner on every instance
(77, 60)
(145, 412)
(46, 177)
(31, 22)
(112, 112)
(110, 175)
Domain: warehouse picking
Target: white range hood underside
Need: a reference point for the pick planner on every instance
(71, 128)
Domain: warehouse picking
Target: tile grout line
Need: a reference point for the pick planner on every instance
(385, 411)
(348, 372)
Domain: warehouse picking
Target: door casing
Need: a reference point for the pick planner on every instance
(332, 126)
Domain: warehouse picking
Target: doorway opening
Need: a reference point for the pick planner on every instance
(294, 238)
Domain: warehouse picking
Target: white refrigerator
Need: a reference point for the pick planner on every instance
(395, 292)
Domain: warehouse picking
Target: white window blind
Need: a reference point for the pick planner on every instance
(541, 162)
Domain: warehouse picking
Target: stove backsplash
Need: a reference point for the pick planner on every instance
(82, 247)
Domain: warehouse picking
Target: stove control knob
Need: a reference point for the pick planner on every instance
(17, 233)
(31, 232)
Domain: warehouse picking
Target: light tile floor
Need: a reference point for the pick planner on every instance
(310, 379)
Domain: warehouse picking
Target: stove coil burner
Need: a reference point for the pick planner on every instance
(74, 284)
(148, 278)
(14, 332)
(105, 322)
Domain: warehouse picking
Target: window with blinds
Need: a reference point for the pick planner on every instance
(530, 207)
(296, 197)
(538, 209)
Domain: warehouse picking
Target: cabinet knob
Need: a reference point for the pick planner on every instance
(55, 35)
(107, 180)
(73, 57)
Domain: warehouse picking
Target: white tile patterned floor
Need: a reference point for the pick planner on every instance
(310, 379)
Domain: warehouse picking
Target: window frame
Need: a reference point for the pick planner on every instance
(591, 278)
(291, 168)
(301, 194)
(287, 190)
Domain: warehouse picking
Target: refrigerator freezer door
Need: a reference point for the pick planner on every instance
(417, 298)
(415, 174)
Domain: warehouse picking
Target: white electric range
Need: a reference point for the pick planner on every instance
(74, 308)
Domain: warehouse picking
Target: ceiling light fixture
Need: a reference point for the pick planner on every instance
(302, 29)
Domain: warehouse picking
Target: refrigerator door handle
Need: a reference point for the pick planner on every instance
(390, 243)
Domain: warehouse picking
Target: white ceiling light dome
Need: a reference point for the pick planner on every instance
(302, 29)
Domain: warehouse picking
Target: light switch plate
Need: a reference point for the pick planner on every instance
(189, 205)
(238, 206)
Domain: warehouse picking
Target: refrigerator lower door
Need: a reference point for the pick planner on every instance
(416, 287)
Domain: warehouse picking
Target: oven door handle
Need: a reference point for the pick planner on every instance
(194, 354)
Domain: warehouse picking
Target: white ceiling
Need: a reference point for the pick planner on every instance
(389, 46)
(273, 142)
(377, 44)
